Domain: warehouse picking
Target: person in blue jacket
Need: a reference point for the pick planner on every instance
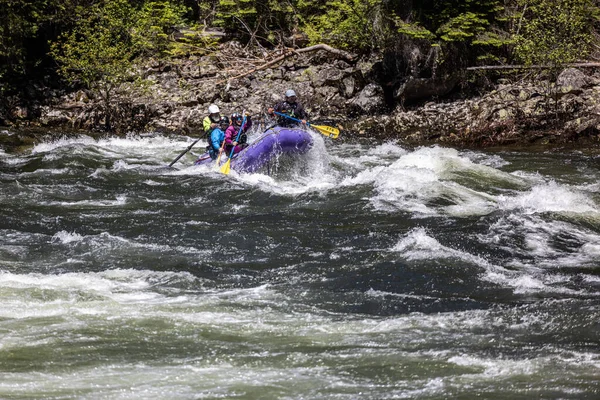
(217, 137)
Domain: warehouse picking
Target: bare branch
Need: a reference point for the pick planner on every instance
(345, 55)
(290, 52)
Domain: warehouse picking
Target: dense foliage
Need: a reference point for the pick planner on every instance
(97, 43)
(555, 33)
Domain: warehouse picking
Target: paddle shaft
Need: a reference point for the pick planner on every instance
(238, 135)
(287, 116)
(185, 151)
(325, 130)
(225, 168)
(220, 153)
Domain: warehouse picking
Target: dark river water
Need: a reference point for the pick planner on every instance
(369, 271)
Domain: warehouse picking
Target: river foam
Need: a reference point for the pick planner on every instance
(358, 270)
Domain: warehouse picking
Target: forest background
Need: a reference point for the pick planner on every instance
(52, 47)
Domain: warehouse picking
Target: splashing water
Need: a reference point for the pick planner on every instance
(355, 270)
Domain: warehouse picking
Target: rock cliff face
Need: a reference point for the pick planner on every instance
(179, 97)
(546, 112)
(331, 86)
(354, 96)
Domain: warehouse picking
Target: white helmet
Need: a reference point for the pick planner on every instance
(290, 93)
(213, 109)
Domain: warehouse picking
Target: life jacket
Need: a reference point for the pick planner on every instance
(209, 131)
(212, 150)
(289, 109)
(243, 137)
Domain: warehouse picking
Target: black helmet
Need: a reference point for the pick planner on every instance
(236, 118)
(224, 121)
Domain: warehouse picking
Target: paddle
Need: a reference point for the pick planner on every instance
(227, 166)
(328, 131)
(220, 153)
(185, 151)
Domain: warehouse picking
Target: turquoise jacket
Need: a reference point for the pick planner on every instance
(217, 136)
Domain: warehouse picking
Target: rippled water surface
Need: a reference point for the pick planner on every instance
(356, 271)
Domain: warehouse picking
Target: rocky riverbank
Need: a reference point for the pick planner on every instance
(350, 94)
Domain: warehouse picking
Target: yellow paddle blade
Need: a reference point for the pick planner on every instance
(226, 167)
(327, 130)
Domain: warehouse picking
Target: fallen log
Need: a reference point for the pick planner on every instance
(288, 52)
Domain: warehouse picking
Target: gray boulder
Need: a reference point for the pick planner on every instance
(421, 88)
(369, 99)
(572, 81)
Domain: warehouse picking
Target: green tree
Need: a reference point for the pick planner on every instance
(101, 50)
(555, 32)
(479, 24)
(257, 21)
(98, 52)
(26, 27)
(20, 22)
(155, 24)
(353, 24)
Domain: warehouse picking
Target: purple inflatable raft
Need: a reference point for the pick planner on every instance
(272, 143)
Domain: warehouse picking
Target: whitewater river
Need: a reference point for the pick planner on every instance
(359, 271)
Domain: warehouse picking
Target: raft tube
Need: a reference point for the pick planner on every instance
(272, 143)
